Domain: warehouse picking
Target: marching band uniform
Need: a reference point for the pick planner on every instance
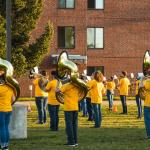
(110, 92)
(53, 104)
(71, 97)
(123, 90)
(41, 102)
(6, 99)
(138, 99)
(96, 90)
(146, 84)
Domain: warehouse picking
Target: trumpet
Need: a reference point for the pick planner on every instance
(43, 80)
(146, 71)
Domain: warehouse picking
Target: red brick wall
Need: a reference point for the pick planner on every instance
(126, 33)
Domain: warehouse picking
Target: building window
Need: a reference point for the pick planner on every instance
(92, 69)
(66, 37)
(66, 3)
(95, 38)
(95, 4)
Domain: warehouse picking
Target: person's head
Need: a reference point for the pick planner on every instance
(124, 73)
(98, 76)
(54, 74)
(43, 72)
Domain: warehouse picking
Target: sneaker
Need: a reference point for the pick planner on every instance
(147, 138)
(76, 144)
(71, 145)
(5, 148)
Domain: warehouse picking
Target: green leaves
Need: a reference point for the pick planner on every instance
(25, 14)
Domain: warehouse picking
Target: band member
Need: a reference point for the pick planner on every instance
(6, 99)
(96, 90)
(40, 99)
(53, 104)
(110, 84)
(138, 99)
(71, 97)
(124, 84)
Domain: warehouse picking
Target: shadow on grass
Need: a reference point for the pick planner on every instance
(89, 139)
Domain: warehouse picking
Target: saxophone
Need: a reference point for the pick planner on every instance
(66, 67)
(146, 71)
(9, 80)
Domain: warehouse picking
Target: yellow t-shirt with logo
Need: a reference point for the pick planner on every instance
(38, 91)
(146, 84)
(124, 86)
(6, 94)
(137, 86)
(96, 91)
(51, 88)
(110, 85)
(71, 97)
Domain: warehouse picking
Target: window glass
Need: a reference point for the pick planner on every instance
(66, 37)
(99, 38)
(90, 37)
(61, 3)
(69, 37)
(69, 3)
(99, 4)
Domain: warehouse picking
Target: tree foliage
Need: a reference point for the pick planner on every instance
(25, 14)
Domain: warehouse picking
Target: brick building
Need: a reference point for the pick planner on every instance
(110, 35)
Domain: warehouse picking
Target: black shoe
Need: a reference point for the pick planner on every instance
(90, 119)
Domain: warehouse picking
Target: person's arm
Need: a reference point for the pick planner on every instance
(13, 99)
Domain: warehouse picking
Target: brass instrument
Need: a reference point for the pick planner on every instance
(146, 72)
(42, 82)
(9, 80)
(66, 67)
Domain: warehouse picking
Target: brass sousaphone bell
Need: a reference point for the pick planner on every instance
(146, 72)
(67, 67)
(9, 80)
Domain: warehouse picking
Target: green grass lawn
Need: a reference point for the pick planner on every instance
(118, 132)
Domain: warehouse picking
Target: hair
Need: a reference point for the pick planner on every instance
(98, 76)
(124, 73)
(43, 72)
(54, 73)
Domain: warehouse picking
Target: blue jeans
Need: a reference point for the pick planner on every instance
(41, 103)
(54, 118)
(124, 104)
(89, 108)
(83, 107)
(71, 120)
(4, 130)
(110, 98)
(139, 105)
(97, 114)
(147, 120)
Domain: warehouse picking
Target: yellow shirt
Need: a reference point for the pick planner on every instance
(96, 91)
(146, 84)
(6, 94)
(51, 87)
(137, 86)
(124, 86)
(111, 85)
(38, 91)
(71, 97)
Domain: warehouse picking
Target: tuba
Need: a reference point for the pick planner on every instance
(43, 81)
(8, 79)
(146, 71)
(65, 67)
